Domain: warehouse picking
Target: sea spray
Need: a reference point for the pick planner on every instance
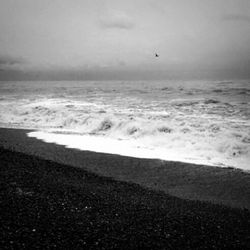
(201, 122)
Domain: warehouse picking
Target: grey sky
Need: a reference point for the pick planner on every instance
(88, 39)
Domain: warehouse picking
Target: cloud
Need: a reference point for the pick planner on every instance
(117, 20)
(8, 60)
(236, 17)
(11, 63)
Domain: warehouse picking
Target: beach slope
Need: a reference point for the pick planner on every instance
(227, 186)
(49, 205)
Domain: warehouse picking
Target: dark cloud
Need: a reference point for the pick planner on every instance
(236, 17)
(117, 20)
(9, 60)
(11, 63)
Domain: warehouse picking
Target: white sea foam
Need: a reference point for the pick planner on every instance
(131, 148)
(142, 149)
(198, 122)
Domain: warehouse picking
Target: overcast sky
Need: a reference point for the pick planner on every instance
(115, 39)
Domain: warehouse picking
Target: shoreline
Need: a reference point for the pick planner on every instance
(217, 185)
(49, 205)
(41, 134)
(99, 144)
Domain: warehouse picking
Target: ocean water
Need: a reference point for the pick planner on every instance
(205, 122)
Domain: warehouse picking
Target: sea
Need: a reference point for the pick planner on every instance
(201, 122)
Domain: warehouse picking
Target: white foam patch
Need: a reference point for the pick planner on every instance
(124, 147)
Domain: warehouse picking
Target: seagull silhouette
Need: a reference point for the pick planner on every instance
(156, 55)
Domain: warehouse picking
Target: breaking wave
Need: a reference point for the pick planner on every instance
(165, 121)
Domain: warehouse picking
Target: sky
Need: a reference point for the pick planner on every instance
(116, 40)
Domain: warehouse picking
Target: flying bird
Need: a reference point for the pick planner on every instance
(156, 55)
